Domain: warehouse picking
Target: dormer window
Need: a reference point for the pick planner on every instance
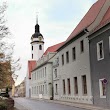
(40, 47)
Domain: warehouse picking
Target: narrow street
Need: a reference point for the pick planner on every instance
(30, 104)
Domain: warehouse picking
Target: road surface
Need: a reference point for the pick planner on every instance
(33, 104)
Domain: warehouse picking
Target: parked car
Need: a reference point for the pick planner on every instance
(4, 94)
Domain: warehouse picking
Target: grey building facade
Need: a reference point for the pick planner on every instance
(100, 66)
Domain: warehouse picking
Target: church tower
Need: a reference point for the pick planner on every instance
(37, 43)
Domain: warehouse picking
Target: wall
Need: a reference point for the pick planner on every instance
(100, 69)
(77, 68)
(42, 80)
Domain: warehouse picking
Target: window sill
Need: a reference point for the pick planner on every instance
(102, 96)
(100, 59)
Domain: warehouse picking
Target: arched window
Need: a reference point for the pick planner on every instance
(40, 47)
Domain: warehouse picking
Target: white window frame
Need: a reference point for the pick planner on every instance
(98, 54)
(109, 44)
(100, 89)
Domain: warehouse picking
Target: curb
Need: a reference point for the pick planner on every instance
(84, 106)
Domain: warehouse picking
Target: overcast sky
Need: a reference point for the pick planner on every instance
(57, 19)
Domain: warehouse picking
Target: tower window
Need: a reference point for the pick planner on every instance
(40, 47)
(32, 47)
(32, 56)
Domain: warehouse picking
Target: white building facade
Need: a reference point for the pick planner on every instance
(73, 82)
(41, 83)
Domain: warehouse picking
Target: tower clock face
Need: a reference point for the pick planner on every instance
(40, 38)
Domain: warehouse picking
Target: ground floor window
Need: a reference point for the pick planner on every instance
(56, 88)
(45, 88)
(64, 89)
(75, 86)
(69, 87)
(84, 84)
(102, 87)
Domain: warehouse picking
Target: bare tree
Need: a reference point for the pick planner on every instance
(7, 64)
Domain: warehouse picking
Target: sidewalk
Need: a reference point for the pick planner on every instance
(77, 105)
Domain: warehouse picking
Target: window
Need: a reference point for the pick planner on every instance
(37, 89)
(67, 57)
(109, 44)
(74, 53)
(35, 75)
(102, 88)
(56, 88)
(45, 71)
(75, 85)
(84, 84)
(40, 47)
(69, 88)
(55, 72)
(82, 46)
(57, 61)
(32, 56)
(43, 89)
(63, 59)
(100, 53)
(32, 90)
(64, 90)
(32, 47)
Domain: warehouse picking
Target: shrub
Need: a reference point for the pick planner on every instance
(3, 105)
(10, 103)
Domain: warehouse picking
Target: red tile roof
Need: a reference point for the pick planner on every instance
(106, 16)
(105, 20)
(31, 66)
(88, 19)
(53, 48)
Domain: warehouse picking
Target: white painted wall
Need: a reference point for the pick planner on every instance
(77, 68)
(44, 80)
(27, 84)
(37, 54)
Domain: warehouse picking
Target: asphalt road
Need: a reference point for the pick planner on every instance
(30, 104)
